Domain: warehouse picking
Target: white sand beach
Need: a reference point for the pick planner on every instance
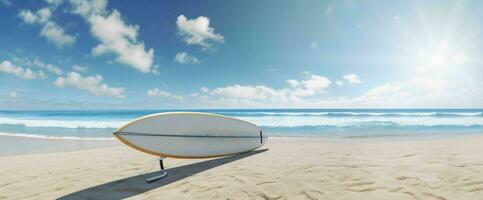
(286, 168)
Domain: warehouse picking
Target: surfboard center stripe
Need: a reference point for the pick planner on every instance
(188, 136)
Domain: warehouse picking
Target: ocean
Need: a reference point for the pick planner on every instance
(330, 123)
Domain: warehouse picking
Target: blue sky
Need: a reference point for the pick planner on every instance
(80, 54)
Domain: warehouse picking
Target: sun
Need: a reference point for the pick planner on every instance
(440, 55)
(434, 55)
(436, 44)
(439, 58)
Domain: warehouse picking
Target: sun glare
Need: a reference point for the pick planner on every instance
(437, 45)
(439, 59)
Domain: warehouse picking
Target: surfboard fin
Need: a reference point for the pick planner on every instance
(162, 175)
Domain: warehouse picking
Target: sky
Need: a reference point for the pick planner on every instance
(99, 54)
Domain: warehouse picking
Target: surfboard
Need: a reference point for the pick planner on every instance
(191, 135)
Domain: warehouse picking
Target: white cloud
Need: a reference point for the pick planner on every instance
(297, 91)
(195, 94)
(339, 82)
(246, 92)
(28, 17)
(35, 63)
(79, 68)
(422, 92)
(419, 92)
(40, 64)
(156, 92)
(185, 58)
(114, 34)
(24, 73)
(54, 2)
(205, 89)
(12, 95)
(7, 3)
(352, 78)
(293, 83)
(314, 45)
(53, 69)
(329, 9)
(56, 34)
(315, 83)
(155, 70)
(87, 8)
(41, 74)
(198, 31)
(50, 29)
(92, 84)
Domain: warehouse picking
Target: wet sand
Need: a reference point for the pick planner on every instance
(12, 145)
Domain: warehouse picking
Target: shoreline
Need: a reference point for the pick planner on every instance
(10, 142)
(18, 145)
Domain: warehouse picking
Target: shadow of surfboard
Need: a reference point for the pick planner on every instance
(134, 185)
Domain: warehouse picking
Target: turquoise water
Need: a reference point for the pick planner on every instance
(345, 123)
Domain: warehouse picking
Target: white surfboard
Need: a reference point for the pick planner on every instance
(191, 135)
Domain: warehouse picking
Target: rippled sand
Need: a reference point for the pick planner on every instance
(291, 168)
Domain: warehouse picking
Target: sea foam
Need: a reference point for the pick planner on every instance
(37, 136)
(99, 123)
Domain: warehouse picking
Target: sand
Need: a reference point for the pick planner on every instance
(286, 168)
(11, 145)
